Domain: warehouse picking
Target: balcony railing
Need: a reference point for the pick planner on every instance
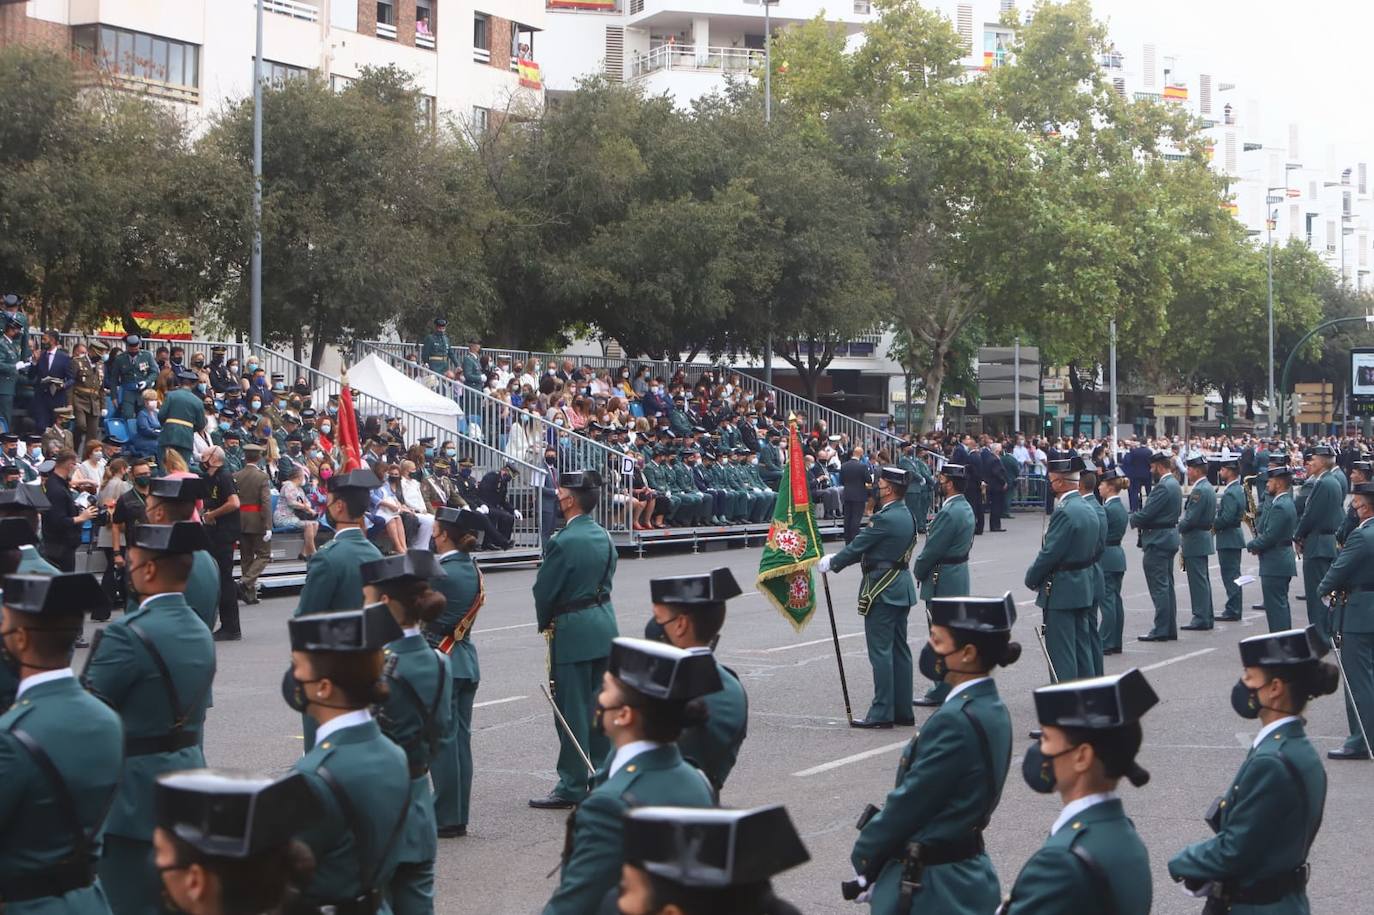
(424, 41)
(685, 57)
(386, 31)
(292, 8)
(481, 55)
(863, 7)
(146, 85)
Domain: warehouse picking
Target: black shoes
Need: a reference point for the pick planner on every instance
(454, 832)
(1228, 618)
(864, 724)
(1257, 606)
(1346, 753)
(554, 801)
(221, 635)
(926, 702)
(1157, 638)
(1191, 627)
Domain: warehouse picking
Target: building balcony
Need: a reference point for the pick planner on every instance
(386, 31)
(690, 58)
(295, 9)
(424, 41)
(668, 14)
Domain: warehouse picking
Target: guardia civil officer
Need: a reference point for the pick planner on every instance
(1350, 582)
(15, 534)
(883, 548)
(154, 667)
(26, 501)
(59, 751)
(1315, 535)
(941, 568)
(1111, 489)
(923, 851)
(1157, 522)
(172, 500)
(417, 714)
(1267, 819)
(1093, 860)
(649, 693)
(1231, 508)
(332, 573)
(689, 861)
(460, 582)
(688, 612)
(435, 350)
(225, 842)
(1273, 543)
(572, 605)
(360, 778)
(1360, 472)
(1195, 539)
(918, 492)
(1087, 488)
(1062, 573)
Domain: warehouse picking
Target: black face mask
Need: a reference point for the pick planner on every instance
(293, 690)
(1038, 769)
(7, 659)
(599, 712)
(932, 664)
(654, 632)
(1245, 700)
(550, 458)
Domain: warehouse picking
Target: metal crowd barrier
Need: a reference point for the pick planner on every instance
(523, 489)
(1028, 493)
(150, 344)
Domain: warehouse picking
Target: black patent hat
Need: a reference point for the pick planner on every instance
(707, 848)
(662, 671)
(232, 815)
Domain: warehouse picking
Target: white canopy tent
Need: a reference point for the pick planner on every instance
(373, 377)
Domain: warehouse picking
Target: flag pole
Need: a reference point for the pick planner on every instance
(835, 635)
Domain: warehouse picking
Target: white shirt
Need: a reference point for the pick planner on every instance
(442, 556)
(1060, 501)
(1271, 727)
(46, 676)
(629, 752)
(1022, 454)
(1074, 808)
(963, 686)
(408, 631)
(143, 603)
(346, 720)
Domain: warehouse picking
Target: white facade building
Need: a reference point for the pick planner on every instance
(465, 55)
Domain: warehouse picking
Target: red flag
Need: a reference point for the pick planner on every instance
(348, 431)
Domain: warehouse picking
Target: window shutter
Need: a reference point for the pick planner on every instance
(1204, 91)
(614, 66)
(965, 23)
(1148, 64)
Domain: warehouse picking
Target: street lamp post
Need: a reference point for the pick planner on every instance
(1368, 319)
(768, 119)
(255, 291)
(1271, 213)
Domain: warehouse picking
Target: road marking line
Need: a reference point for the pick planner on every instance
(498, 701)
(847, 635)
(502, 628)
(1182, 657)
(857, 757)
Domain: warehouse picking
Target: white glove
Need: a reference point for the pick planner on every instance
(21, 366)
(824, 565)
(1200, 893)
(862, 881)
(267, 537)
(483, 509)
(518, 516)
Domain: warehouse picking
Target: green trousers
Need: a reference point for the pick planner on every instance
(131, 881)
(576, 686)
(1229, 561)
(452, 767)
(890, 657)
(412, 889)
(1094, 642)
(1158, 567)
(1313, 571)
(1113, 612)
(1068, 644)
(1199, 590)
(1357, 658)
(1274, 591)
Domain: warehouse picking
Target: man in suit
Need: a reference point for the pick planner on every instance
(854, 480)
(1196, 541)
(995, 477)
(50, 374)
(255, 522)
(1138, 472)
(494, 493)
(966, 454)
(63, 520)
(1157, 521)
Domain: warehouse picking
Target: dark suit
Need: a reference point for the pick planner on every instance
(548, 504)
(854, 480)
(492, 492)
(973, 491)
(996, 476)
(61, 533)
(57, 364)
(749, 434)
(1138, 472)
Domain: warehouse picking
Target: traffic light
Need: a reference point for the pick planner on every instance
(1049, 422)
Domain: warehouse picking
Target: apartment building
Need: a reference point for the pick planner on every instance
(469, 58)
(685, 48)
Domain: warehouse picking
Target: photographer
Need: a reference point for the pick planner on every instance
(66, 514)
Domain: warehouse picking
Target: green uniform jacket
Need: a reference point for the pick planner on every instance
(714, 746)
(472, 371)
(460, 585)
(1055, 881)
(1274, 537)
(333, 575)
(434, 353)
(1321, 517)
(1230, 510)
(202, 588)
(182, 415)
(85, 741)
(1157, 519)
(1353, 573)
(657, 777)
(1348, 524)
(1113, 555)
(31, 562)
(1195, 527)
(21, 342)
(679, 423)
(770, 468)
(950, 536)
(417, 716)
(1099, 580)
(884, 541)
(1265, 826)
(579, 565)
(1070, 540)
(948, 785)
(372, 772)
(9, 360)
(122, 672)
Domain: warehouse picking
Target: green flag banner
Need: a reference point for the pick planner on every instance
(793, 545)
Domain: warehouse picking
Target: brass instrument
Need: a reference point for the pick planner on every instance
(1251, 508)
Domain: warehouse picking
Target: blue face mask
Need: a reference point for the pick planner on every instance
(266, 430)
(450, 452)
(219, 403)
(429, 452)
(223, 426)
(35, 453)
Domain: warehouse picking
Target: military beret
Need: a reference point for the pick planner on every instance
(61, 594)
(974, 614)
(663, 672)
(412, 564)
(1096, 703)
(714, 587)
(368, 629)
(705, 848)
(1279, 649)
(177, 489)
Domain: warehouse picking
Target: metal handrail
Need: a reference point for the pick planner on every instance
(523, 492)
(690, 57)
(496, 422)
(116, 341)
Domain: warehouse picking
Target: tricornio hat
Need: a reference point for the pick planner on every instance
(368, 629)
(232, 815)
(663, 672)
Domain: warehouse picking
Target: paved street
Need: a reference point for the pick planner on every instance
(800, 752)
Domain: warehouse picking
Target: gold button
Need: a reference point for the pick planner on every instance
(1077, 825)
(630, 767)
(1223, 804)
(1277, 736)
(325, 745)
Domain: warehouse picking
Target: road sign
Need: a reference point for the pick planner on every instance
(1054, 397)
(956, 400)
(1051, 410)
(1179, 405)
(1052, 384)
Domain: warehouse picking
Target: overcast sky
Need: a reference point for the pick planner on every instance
(1309, 61)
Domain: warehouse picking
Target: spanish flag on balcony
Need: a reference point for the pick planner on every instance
(530, 77)
(155, 326)
(1175, 93)
(1231, 207)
